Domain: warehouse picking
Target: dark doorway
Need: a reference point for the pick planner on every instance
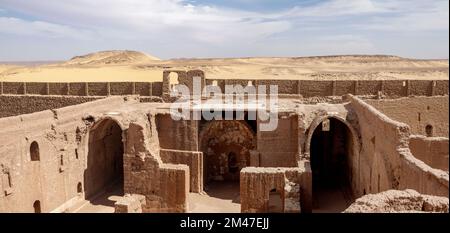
(34, 151)
(104, 173)
(330, 153)
(37, 206)
(226, 146)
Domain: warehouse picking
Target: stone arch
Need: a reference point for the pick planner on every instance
(221, 141)
(333, 153)
(317, 121)
(104, 160)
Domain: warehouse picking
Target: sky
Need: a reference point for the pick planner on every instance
(32, 30)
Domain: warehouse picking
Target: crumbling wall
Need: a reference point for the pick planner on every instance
(418, 113)
(130, 203)
(193, 159)
(279, 148)
(396, 201)
(431, 150)
(182, 78)
(257, 184)
(52, 179)
(177, 135)
(385, 159)
(165, 186)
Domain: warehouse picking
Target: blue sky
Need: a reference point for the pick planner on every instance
(58, 30)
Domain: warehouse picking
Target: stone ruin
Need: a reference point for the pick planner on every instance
(113, 147)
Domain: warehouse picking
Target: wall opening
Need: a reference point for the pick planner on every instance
(37, 206)
(34, 151)
(233, 165)
(330, 153)
(429, 130)
(79, 188)
(173, 80)
(226, 146)
(104, 173)
(275, 204)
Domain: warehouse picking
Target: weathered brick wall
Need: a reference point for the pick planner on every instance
(418, 112)
(177, 135)
(13, 105)
(279, 148)
(193, 159)
(256, 185)
(83, 88)
(431, 150)
(385, 159)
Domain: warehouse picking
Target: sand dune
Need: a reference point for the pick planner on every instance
(115, 57)
(135, 66)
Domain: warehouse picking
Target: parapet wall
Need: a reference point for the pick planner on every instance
(13, 105)
(431, 150)
(311, 88)
(418, 113)
(82, 89)
(386, 161)
(305, 88)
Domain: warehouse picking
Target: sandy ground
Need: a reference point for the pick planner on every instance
(220, 197)
(331, 200)
(104, 203)
(133, 66)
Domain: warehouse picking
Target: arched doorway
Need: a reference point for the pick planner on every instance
(331, 150)
(104, 172)
(226, 146)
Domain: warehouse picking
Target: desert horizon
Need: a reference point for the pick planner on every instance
(127, 65)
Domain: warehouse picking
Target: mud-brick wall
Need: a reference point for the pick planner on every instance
(279, 148)
(177, 135)
(312, 88)
(431, 150)
(418, 112)
(284, 86)
(82, 88)
(385, 159)
(257, 185)
(193, 159)
(13, 105)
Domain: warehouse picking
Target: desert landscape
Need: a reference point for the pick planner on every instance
(355, 133)
(133, 66)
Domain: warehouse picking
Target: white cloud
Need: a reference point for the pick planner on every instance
(17, 26)
(188, 29)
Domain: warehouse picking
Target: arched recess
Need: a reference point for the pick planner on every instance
(34, 151)
(226, 146)
(104, 161)
(332, 147)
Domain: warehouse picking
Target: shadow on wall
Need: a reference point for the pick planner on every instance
(104, 160)
(331, 153)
